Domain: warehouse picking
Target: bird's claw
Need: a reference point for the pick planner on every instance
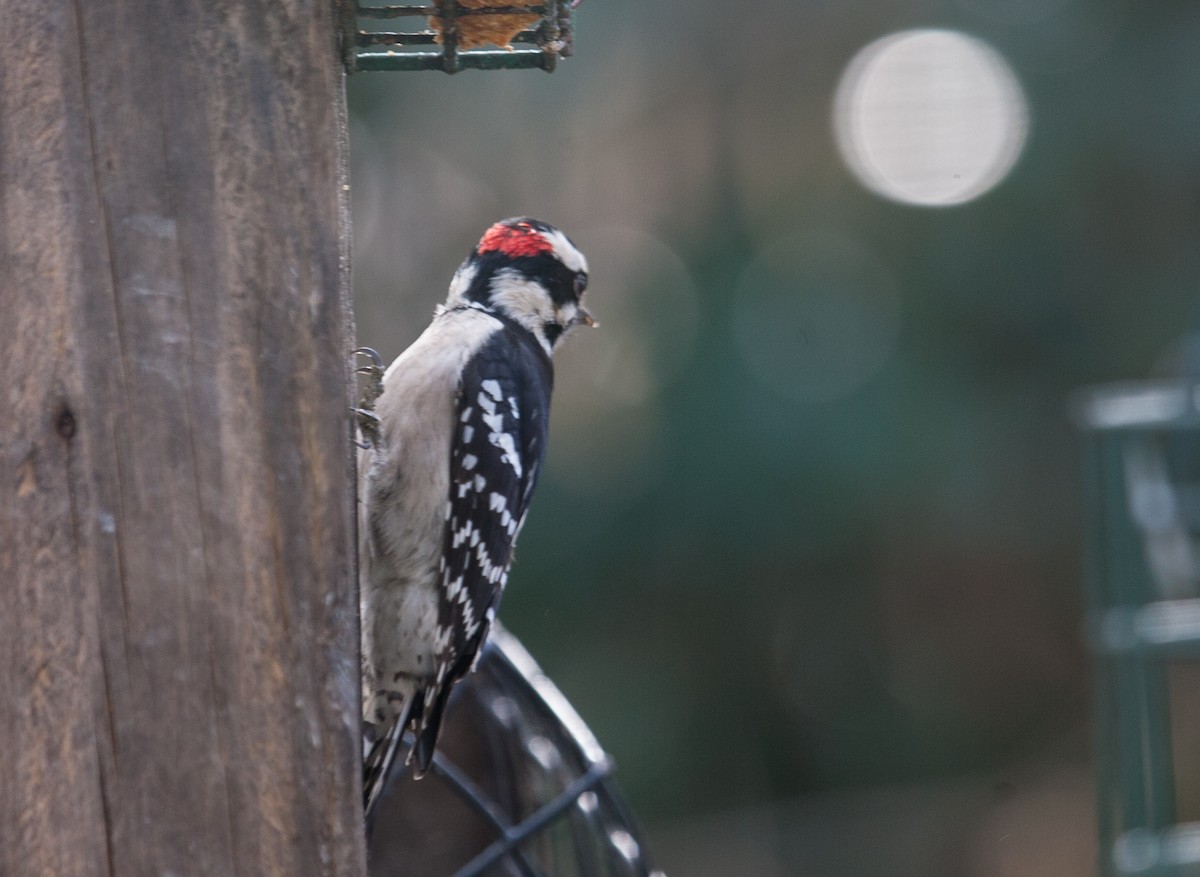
(368, 420)
(372, 354)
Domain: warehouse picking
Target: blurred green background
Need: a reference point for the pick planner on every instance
(806, 555)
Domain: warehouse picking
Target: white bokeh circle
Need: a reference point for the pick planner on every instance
(930, 117)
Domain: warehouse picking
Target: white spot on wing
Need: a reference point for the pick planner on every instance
(504, 442)
(441, 640)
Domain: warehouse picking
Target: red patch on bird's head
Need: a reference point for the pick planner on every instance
(514, 241)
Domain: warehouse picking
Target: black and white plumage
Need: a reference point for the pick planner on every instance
(462, 425)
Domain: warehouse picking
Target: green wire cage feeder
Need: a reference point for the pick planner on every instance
(454, 35)
(1143, 499)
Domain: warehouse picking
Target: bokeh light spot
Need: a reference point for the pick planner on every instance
(644, 297)
(608, 413)
(816, 315)
(930, 117)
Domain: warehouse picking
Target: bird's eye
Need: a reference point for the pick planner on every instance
(580, 283)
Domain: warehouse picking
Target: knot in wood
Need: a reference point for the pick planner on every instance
(65, 424)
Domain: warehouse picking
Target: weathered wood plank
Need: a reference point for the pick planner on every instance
(177, 614)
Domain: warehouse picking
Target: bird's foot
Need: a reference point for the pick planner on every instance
(372, 388)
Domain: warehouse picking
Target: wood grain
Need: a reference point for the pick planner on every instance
(178, 633)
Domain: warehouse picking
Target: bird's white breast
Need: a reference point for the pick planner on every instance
(404, 492)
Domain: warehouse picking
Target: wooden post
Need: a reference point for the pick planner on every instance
(178, 633)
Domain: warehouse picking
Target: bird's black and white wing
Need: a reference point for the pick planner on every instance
(502, 410)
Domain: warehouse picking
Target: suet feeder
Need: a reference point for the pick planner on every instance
(519, 786)
(454, 35)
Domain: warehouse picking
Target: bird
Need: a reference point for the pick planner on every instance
(454, 443)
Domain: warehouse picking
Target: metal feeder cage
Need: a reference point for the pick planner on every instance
(454, 35)
(1143, 600)
(519, 787)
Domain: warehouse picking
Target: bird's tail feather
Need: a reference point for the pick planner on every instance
(427, 732)
(377, 765)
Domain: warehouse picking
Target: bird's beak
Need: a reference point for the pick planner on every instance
(583, 318)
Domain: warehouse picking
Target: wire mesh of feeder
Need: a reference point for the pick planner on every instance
(519, 787)
(1143, 492)
(454, 35)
